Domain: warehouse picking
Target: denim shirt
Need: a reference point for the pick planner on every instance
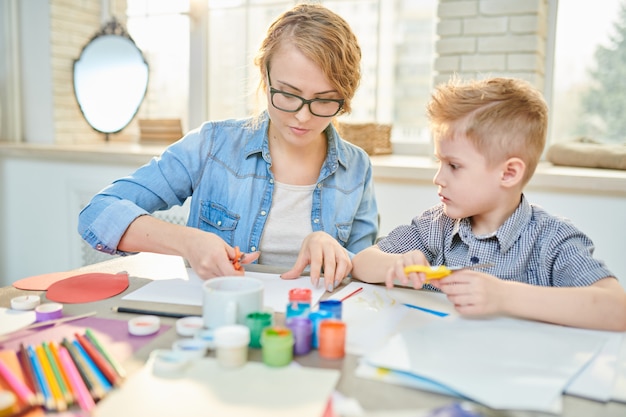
(224, 166)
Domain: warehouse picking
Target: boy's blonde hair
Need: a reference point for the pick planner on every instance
(502, 117)
(322, 36)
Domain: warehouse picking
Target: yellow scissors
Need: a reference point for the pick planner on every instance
(440, 271)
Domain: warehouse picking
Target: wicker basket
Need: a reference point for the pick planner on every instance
(373, 138)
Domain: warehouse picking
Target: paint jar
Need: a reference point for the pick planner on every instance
(334, 306)
(277, 346)
(231, 345)
(302, 329)
(256, 322)
(316, 317)
(299, 302)
(332, 339)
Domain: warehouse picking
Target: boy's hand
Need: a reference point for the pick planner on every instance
(473, 293)
(396, 272)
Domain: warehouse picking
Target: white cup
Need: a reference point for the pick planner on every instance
(228, 300)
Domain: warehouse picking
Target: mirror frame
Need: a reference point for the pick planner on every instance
(111, 28)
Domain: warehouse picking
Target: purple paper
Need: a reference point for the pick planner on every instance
(111, 333)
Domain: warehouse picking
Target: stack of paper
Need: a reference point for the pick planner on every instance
(501, 363)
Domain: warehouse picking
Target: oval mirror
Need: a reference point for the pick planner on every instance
(110, 79)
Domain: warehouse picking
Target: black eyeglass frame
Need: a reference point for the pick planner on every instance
(303, 101)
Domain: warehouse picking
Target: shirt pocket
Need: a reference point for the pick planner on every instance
(218, 219)
(343, 233)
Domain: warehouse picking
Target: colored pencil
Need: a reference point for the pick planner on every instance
(118, 369)
(23, 392)
(81, 393)
(55, 389)
(97, 392)
(54, 349)
(56, 370)
(29, 374)
(92, 367)
(358, 290)
(99, 360)
(49, 400)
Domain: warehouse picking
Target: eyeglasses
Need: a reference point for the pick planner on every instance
(291, 103)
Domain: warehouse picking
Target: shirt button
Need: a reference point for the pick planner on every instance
(271, 181)
(219, 222)
(316, 221)
(474, 260)
(319, 185)
(263, 213)
(99, 246)
(253, 249)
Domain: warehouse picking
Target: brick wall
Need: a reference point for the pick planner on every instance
(479, 38)
(72, 24)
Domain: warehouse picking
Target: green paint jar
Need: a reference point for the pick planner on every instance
(277, 346)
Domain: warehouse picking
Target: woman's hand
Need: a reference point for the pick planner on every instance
(323, 253)
(209, 256)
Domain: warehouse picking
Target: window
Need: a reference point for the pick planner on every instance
(589, 81)
(397, 39)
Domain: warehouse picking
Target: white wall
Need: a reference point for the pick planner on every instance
(41, 200)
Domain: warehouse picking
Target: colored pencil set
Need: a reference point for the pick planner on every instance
(58, 375)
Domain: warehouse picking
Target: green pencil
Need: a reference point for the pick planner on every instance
(92, 337)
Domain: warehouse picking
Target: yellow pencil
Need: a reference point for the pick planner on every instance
(51, 379)
(59, 372)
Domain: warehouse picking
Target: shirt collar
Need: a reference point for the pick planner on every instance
(507, 234)
(258, 143)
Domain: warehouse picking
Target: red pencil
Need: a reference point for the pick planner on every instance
(100, 361)
(358, 290)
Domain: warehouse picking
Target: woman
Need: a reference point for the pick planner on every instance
(282, 186)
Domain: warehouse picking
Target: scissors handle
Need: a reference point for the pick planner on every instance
(432, 272)
(238, 258)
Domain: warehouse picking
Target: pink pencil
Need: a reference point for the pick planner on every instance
(22, 390)
(83, 396)
(358, 290)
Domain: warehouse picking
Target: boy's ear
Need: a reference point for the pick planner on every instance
(513, 171)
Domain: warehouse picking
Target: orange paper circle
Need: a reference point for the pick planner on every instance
(87, 288)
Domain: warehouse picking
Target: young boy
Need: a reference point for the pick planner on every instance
(488, 138)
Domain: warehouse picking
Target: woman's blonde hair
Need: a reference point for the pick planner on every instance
(323, 37)
(502, 117)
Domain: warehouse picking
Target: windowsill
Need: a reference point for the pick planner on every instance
(387, 168)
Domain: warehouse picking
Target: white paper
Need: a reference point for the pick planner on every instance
(206, 389)
(596, 380)
(501, 363)
(12, 320)
(375, 314)
(189, 291)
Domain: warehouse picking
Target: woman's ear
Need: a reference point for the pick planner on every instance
(513, 171)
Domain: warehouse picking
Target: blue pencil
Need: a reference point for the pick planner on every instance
(92, 366)
(427, 310)
(42, 382)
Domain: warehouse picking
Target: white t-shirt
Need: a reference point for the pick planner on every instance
(288, 223)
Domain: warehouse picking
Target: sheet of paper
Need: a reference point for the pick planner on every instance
(501, 363)
(12, 320)
(376, 313)
(619, 387)
(208, 389)
(189, 291)
(596, 380)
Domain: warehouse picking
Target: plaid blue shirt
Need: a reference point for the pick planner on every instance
(532, 246)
